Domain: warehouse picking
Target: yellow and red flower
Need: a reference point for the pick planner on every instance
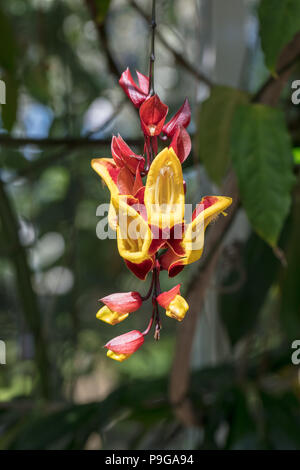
(121, 347)
(118, 306)
(149, 217)
(157, 217)
(176, 306)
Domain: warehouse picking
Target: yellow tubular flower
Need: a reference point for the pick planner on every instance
(164, 192)
(116, 356)
(133, 233)
(108, 316)
(177, 308)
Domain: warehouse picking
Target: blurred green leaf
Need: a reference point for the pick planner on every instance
(240, 309)
(36, 81)
(215, 121)
(243, 429)
(7, 44)
(102, 7)
(296, 153)
(290, 302)
(262, 158)
(279, 22)
(9, 110)
(282, 420)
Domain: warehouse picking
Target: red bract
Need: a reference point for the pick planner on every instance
(127, 343)
(124, 156)
(181, 144)
(153, 113)
(181, 119)
(137, 94)
(165, 298)
(123, 302)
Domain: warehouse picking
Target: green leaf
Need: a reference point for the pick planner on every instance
(279, 22)
(9, 110)
(262, 158)
(215, 122)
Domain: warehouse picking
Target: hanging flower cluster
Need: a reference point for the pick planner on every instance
(149, 217)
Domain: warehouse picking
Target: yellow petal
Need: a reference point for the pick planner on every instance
(177, 308)
(193, 240)
(164, 192)
(107, 169)
(112, 217)
(108, 316)
(116, 356)
(133, 233)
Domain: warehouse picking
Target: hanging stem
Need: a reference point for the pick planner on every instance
(152, 52)
(146, 331)
(146, 297)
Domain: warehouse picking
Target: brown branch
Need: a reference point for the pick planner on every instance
(67, 142)
(180, 375)
(101, 30)
(180, 59)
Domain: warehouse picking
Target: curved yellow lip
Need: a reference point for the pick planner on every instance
(133, 233)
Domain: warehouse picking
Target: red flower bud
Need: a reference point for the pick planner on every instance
(181, 144)
(153, 113)
(137, 94)
(124, 156)
(181, 119)
(123, 302)
(127, 343)
(165, 298)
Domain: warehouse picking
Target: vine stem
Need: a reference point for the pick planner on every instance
(152, 51)
(146, 297)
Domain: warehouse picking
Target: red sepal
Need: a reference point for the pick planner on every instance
(137, 94)
(153, 113)
(124, 156)
(181, 119)
(181, 143)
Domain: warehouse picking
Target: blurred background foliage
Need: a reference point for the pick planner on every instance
(58, 390)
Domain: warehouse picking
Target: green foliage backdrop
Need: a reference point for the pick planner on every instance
(60, 61)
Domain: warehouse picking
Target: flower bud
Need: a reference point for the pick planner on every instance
(176, 306)
(121, 347)
(123, 302)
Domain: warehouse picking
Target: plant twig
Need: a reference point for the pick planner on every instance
(180, 59)
(152, 52)
(100, 26)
